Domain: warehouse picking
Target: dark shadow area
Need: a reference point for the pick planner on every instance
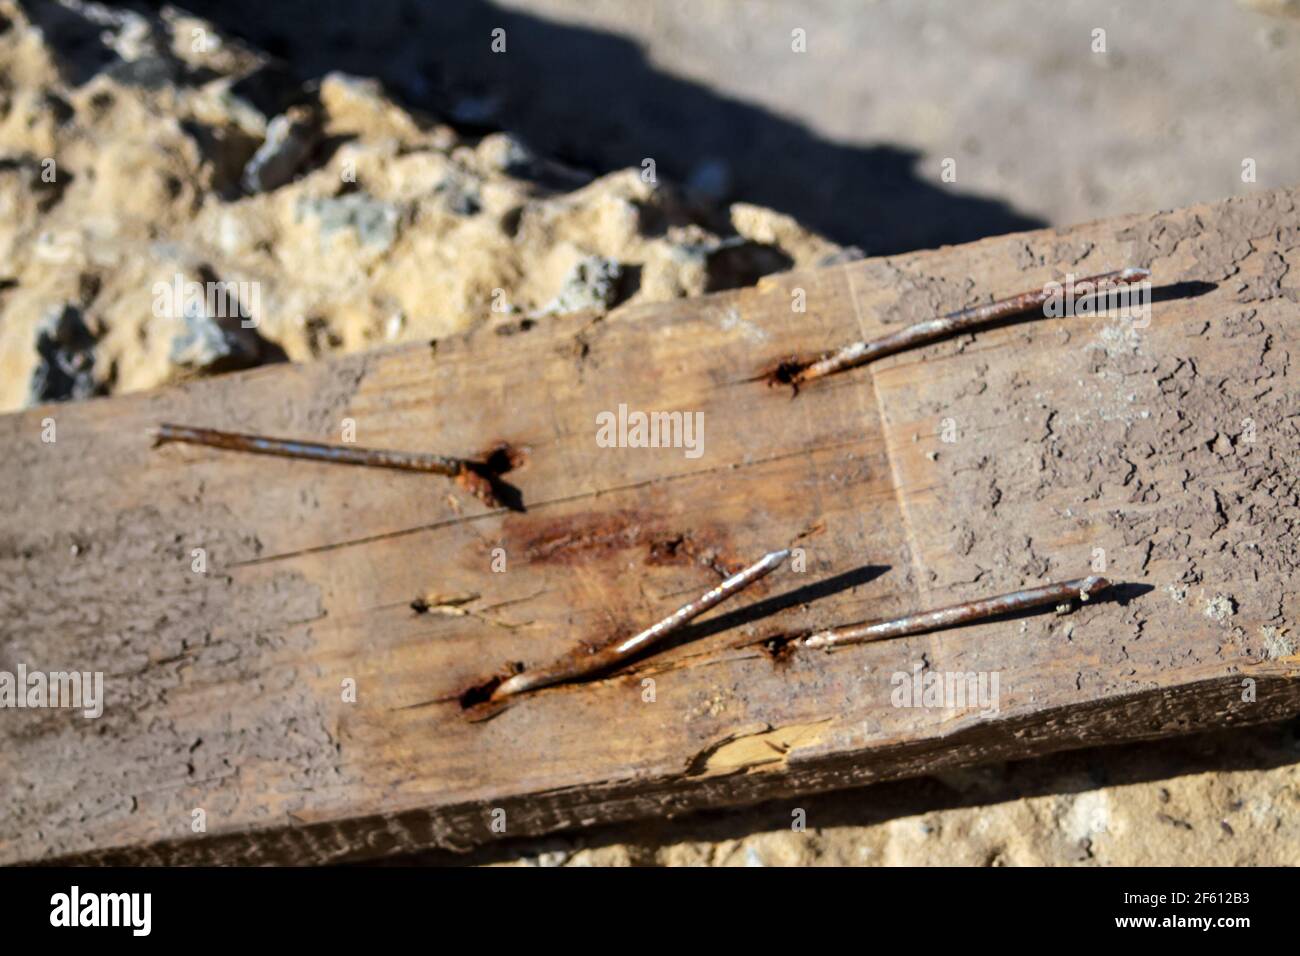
(780, 602)
(1244, 749)
(1182, 290)
(498, 492)
(591, 99)
(1122, 593)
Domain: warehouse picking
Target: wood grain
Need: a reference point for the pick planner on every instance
(225, 689)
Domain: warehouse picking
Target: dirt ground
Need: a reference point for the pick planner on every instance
(850, 136)
(525, 188)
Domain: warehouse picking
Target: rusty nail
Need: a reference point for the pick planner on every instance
(471, 474)
(581, 663)
(859, 353)
(1081, 588)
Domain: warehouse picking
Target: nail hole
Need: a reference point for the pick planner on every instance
(780, 648)
(785, 372)
(503, 457)
(483, 478)
(666, 549)
(479, 693)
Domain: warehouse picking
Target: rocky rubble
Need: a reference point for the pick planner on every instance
(144, 154)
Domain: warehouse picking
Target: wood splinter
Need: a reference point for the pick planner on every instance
(796, 372)
(474, 476)
(1081, 588)
(581, 663)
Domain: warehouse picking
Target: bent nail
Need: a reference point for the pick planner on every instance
(582, 662)
(470, 474)
(859, 353)
(1081, 588)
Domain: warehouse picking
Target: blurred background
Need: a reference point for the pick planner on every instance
(1048, 120)
(784, 135)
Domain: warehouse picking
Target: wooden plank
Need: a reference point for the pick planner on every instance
(224, 688)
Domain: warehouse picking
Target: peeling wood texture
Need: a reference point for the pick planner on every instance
(1173, 448)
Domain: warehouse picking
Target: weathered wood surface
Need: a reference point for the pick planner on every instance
(224, 688)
